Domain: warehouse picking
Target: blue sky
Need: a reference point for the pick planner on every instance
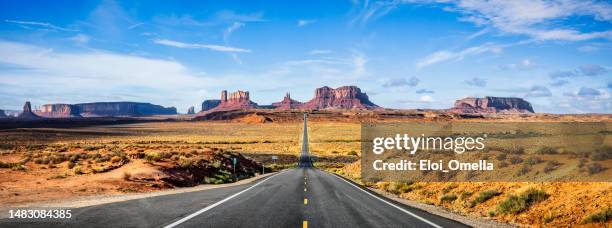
(404, 54)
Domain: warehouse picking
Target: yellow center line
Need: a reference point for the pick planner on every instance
(305, 224)
(305, 201)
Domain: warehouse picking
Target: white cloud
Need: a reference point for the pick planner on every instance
(538, 19)
(135, 25)
(525, 64)
(52, 76)
(534, 18)
(319, 52)
(212, 47)
(41, 25)
(229, 30)
(80, 38)
(445, 55)
(303, 22)
(426, 99)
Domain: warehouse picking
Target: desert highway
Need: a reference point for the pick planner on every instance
(299, 197)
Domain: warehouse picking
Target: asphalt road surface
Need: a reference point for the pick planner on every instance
(299, 197)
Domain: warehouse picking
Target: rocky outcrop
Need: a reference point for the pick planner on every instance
(2, 114)
(122, 109)
(27, 113)
(486, 105)
(191, 110)
(346, 97)
(287, 103)
(58, 111)
(236, 100)
(102, 109)
(210, 104)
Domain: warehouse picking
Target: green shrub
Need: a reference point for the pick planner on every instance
(399, 187)
(449, 187)
(515, 204)
(595, 168)
(547, 150)
(551, 166)
(115, 159)
(71, 165)
(501, 157)
(515, 160)
(523, 170)
(153, 156)
(448, 198)
(185, 162)
(77, 170)
(533, 160)
(465, 195)
(601, 154)
(352, 153)
(599, 217)
(484, 196)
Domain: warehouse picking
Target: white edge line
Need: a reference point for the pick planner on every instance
(393, 205)
(174, 224)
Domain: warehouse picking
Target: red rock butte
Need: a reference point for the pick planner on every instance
(492, 105)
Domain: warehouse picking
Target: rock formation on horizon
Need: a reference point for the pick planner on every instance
(191, 110)
(345, 97)
(287, 103)
(103, 109)
(489, 105)
(236, 100)
(58, 111)
(210, 104)
(2, 114)
(27, 112)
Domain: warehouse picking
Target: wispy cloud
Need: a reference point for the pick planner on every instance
(229, 30)
(212, 47)
(525, 64)
(44, 25)
(421, 91)
(319, 52)
(583, 70)
(445, 55)
(80, 38)
(538, 91)
(478, 82)
(536, 19)
(135, 25)
(399, 82)
(533, 18)
(304, 22)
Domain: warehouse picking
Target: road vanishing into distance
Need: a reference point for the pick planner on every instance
(298, 197)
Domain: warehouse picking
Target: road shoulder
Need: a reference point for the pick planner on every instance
(105, 199)
(439, 211)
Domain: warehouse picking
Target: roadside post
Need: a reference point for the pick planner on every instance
(234, 161)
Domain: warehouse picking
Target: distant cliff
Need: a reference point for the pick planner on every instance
(209, 104)
(492, 105)
(345, 97)
(58, 111)
(123, 109)
(98, 109)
